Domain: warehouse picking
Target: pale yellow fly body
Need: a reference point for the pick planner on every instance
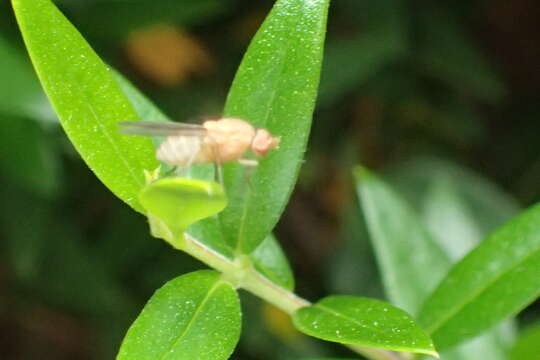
(214, 141)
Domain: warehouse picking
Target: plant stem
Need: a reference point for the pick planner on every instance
(247, 278)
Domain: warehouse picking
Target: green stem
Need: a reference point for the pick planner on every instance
(244, 276)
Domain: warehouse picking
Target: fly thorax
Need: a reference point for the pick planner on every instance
(232, 137)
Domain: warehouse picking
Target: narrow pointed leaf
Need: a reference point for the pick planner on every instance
(403, 247)
(86, 98)
(195, 316)
(443, 210)
(365, 322)
(457, 229)
(275, 88)
(489, 205)
(449, 220)
(494, 281)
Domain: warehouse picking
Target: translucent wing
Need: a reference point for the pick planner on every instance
(151, 128)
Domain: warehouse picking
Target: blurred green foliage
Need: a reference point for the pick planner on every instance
(402, 79)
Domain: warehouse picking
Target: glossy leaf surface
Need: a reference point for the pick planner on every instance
(275, 88)
(403, 247)
(195, 316)
(494, 281)
(86, 98)
(364, 322)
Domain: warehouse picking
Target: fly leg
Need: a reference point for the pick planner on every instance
(189, 148)
(218, 173)
(250, 165)
(190, 162)
(172, 170)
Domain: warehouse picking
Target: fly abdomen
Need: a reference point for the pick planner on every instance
(180, 150)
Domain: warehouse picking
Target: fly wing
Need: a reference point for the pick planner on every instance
(151, 128)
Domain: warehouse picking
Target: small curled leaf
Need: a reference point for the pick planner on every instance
(179, 202)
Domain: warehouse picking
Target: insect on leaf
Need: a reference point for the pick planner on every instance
(274, 88)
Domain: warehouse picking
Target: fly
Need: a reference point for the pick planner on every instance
(213, 141)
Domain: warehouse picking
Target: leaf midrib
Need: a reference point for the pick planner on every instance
(193, 318)
(114, 145)
(249, 197)
(343, 316)
(470, 299)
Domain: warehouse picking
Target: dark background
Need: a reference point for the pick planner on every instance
(457, 81)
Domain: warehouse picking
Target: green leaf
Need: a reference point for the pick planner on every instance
(270, 261)
(275, 87)
(457, 230)
(449, 220)
(195, 316)
(146, 110)
(180, 202)
(489, 345)
(528, 344)
(364, 322)
(86, 98)
(489, 205)
(403, 247)
(494, 281)
(445, 207)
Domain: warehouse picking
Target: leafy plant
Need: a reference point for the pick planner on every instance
(198, 315)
